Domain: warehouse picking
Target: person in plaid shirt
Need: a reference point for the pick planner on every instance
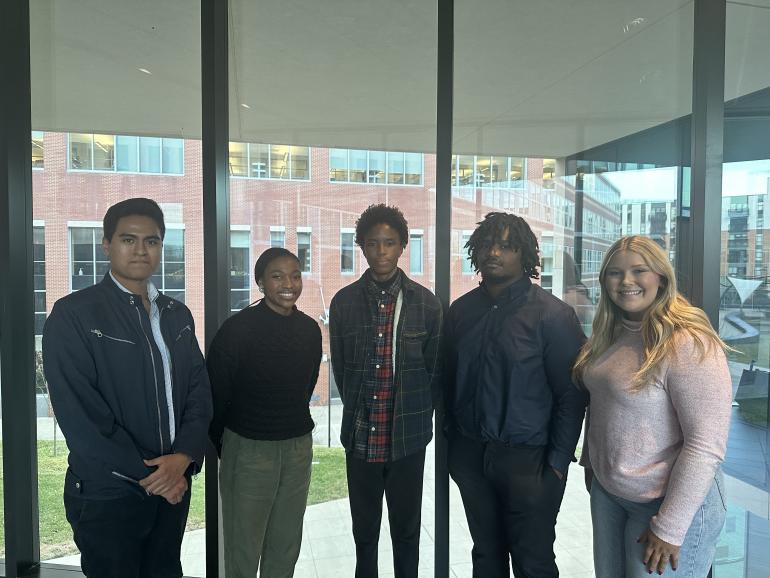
(385, 331)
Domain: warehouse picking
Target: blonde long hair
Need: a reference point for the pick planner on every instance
(668, 314)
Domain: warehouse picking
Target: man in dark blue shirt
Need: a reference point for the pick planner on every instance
(513, 412)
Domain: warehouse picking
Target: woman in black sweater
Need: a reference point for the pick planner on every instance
(263, 365)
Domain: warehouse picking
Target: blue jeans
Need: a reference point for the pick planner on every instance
(618, 523)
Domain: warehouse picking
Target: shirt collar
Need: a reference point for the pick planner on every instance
(152, 291)
(516, 289)
(393, 289)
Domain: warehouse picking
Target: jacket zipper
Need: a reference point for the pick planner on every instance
(185, 328)
(155, 377)
(99, 334)
(171, 362)
(398, 366)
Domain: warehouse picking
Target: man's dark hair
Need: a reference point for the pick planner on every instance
(520, 236)
(381, 215)
(267, 256)
(129, 207)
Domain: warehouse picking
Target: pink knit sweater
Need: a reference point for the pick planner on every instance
(666, 440)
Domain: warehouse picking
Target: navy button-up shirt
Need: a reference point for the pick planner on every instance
(508, 374)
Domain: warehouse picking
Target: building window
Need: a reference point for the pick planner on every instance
(278, 237)
(240, 270)
(127, 151)
(473, 171)
(169, 277)
(103, 152)
(338, 166)
(172, 156)
(37, 150)
(126, 154)
(465, 171)
(415, 252)
(269, 161)
(359, 172)
(347, 251)
(88, 262)
(303, 249)
(396, 168)
(375, 167)
(238, 159)
(38, 256)
(413, 168)
(299, 160)
(467, 267)
(516, 172)
(549, 173)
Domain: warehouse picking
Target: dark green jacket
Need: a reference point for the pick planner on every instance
(416, 373)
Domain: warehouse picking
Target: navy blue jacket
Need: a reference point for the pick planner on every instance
(105, 378)
(508, 370)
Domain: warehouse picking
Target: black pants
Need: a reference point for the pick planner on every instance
(129, 537)
(511, 498)
(401, 481)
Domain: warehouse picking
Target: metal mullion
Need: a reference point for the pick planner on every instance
(216, 221)
(17, 339)
(707, 142)
(444, 120)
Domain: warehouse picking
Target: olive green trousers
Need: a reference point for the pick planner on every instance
(264, 487)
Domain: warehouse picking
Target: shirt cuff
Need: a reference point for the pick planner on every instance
(559, 460)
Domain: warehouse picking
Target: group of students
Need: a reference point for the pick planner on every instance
(137, 403)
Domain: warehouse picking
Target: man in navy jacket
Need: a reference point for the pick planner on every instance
(513, 412)
(130, 391)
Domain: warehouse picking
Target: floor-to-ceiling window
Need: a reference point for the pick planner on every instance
(537, 94)
(130, 142)
(745, 295)
(297, 185)
(537, 154)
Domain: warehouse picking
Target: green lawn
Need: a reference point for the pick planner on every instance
(328, 483)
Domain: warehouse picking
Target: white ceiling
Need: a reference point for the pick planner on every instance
(546, 78)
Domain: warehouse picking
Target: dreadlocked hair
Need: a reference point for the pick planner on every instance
(520, 236)
(381, 215)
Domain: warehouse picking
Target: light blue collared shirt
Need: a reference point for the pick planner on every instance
(165, 354)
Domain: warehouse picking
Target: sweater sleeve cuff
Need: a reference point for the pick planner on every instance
(559, 460)
(666, 534)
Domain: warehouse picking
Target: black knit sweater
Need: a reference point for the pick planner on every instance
(263, 367)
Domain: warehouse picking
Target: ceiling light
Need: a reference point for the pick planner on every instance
(244, 105)
(144, 70)
(633, 24)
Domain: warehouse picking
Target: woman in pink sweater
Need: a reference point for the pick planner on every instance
(660, 403)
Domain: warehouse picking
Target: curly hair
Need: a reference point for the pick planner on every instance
(381, 215)
(520, 236)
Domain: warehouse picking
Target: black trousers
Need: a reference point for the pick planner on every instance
(511, 498)
(401, 481)
(128, 537)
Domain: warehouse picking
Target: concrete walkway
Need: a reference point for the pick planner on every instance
(328, 550)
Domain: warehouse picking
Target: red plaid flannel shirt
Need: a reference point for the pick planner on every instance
(374, 419)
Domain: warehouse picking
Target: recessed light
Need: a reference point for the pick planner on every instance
(244, 105)
(633, 24)
(144, 70)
